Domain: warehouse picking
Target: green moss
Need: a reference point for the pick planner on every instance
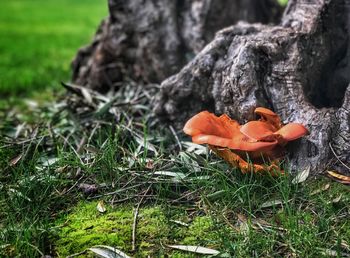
(86, 227)
(201, 232)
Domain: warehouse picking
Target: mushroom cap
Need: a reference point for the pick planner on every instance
(264, 111)
(292, 131)
(240, 142)
(209, 124)
(269, 116)
(262, 140)
(258, 130)
(206, 128)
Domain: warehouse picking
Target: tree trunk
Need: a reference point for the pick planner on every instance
(299, 68)
(151, 40)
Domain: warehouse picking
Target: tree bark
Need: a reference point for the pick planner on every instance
(151, 40)
(299, 68)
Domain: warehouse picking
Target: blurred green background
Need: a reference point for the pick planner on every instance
(283, 2)
(39, 38)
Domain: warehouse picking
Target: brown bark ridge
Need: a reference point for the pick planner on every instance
(149, 40)
(299, 68)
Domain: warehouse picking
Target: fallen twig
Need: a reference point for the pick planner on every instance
(135, 219)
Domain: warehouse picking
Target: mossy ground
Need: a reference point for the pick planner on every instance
(313, 223)
(156, 227)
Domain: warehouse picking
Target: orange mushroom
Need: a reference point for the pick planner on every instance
(256, 141)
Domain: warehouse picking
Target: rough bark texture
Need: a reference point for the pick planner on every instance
(151, 40)
(299, 68)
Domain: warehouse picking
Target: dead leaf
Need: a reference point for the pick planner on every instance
(150, 164)
(345, 245)
(195, 249)
(19, 130)
(341, 181)
(101, 207)
(49, 161)
(86, 95)
(339, 176)
(259, 223)
(337, 199)
(324, 188)
(15, 160)
(271, 203)
(61, 169)
(146, 144)
(241, 217)
(302, 176)
(108, 252)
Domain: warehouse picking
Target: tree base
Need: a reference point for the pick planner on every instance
(299, 68)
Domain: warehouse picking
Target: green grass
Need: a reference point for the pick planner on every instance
(39, 38)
